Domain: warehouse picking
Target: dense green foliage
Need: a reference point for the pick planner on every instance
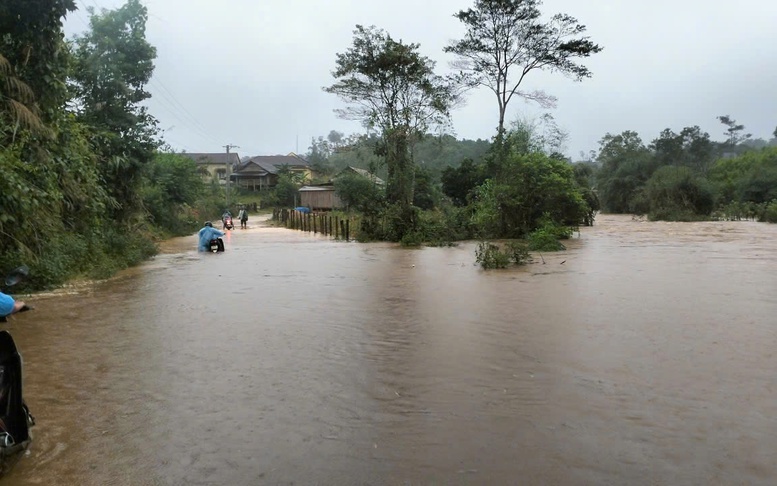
(390, 87)
(687, 176)
(508, 192)
(286, 191)
(112, 63)
(358, 193)
(85, 190)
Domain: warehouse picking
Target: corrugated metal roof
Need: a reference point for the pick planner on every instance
(316, 188)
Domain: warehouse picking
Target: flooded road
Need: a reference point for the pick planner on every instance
(644, 354)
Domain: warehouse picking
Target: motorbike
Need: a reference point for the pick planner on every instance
(15, 417)
(228, 223)
(216, 245)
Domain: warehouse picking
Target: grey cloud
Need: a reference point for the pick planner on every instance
(250, 72)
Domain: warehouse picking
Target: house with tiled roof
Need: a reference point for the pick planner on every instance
(215, 166)
(261, 172)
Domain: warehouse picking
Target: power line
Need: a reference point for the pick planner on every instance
(175, 102)
(195, 127)
(187, 125)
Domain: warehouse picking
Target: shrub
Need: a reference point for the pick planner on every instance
(543, 240)
(519, 252)
(490, 256)
(768, 213)
(677, 194)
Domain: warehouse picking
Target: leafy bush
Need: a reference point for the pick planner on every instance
(412, 238)
(543, 240)
(490, 256)
(677, 194)
(519, 252)
(172, 186)
(768, 212)
(751, 176)
(526, 189)
(358, 192)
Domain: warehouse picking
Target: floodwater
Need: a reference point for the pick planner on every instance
(644, 354)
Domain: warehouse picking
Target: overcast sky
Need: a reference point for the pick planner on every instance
(250, 72)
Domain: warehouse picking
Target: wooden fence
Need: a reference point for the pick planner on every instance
(324, 223)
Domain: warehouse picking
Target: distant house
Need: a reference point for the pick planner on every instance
(320, 197)
(362, 172)
(215, 166)
(261, 172)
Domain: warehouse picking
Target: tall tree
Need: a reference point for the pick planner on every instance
(392, 88)
(734, 131)
(691, 148)
(506, 40)
(114, 63)
(626, 164)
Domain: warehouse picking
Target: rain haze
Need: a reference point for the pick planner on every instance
(251, 73)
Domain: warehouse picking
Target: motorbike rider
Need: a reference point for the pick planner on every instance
(8, 305)
(224, 217)
(207, 233)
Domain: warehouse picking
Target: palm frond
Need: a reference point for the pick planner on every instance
(17, 101)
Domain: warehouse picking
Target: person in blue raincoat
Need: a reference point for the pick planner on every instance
(8, 305)
(207, 233)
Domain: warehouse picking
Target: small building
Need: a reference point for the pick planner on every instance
(320, 197)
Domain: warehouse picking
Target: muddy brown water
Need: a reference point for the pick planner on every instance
(644, 354)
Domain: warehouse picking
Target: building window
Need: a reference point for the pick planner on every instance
(221, 174)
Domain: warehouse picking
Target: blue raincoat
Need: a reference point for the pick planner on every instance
(6, 304)
(206, 234)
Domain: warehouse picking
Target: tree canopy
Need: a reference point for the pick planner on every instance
(393, 89)
(506, 40)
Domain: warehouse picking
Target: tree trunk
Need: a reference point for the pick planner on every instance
(401, 174)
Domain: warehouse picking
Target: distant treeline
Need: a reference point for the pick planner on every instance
(680, 176)
(687, 176)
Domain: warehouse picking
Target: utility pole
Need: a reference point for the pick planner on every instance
(229, 169)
